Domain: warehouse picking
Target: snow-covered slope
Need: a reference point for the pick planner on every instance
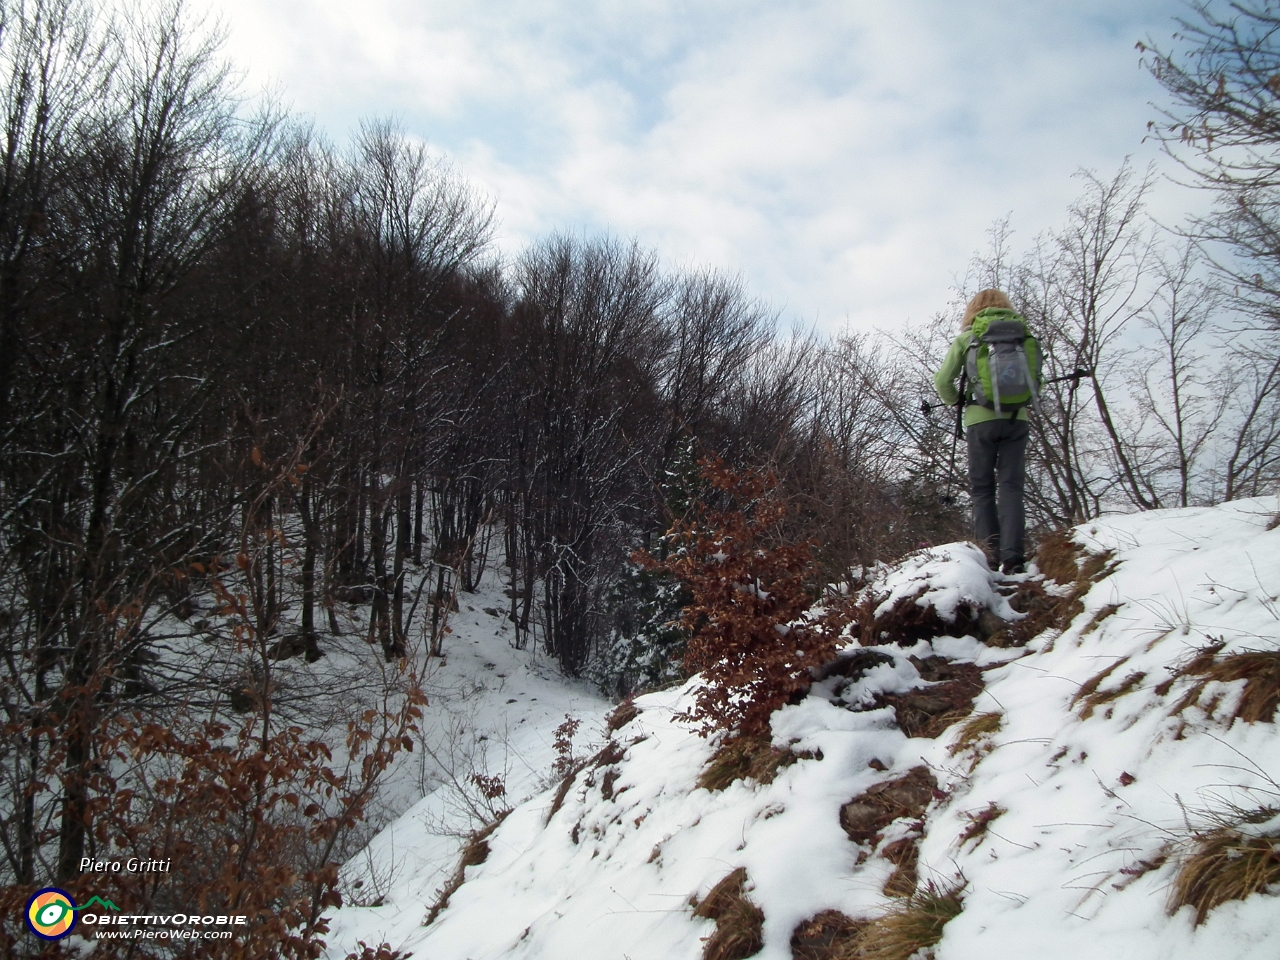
(492, 712)
(1061, 807)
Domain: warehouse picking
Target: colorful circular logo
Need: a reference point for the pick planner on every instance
(51, 913)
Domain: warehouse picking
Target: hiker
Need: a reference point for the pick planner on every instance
(994, 339)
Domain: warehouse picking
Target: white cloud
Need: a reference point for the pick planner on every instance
(846, 157)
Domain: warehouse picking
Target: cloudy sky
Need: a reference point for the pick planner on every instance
(845, 156)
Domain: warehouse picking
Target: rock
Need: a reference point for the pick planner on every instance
(865, 816)
(989, 625)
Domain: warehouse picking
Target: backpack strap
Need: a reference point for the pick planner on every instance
(971, 369)
(995, 385)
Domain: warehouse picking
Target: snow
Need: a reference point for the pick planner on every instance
(1069, 869)
(492, 710)
(943, 578)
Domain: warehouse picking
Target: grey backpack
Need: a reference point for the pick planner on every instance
(1003, 363)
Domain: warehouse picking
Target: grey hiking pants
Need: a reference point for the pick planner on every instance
(997, 459)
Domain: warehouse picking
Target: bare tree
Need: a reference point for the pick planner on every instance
(587, 325)
(1081, 288)
(1223, 128)
(1181, 392)
(1252, 465)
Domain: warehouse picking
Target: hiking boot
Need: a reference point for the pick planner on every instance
(1013, 567)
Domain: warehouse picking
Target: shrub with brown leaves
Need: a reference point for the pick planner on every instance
(747, 632)
(248, 823)
(250, 818)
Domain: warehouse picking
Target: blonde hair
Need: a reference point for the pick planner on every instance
(981, 301)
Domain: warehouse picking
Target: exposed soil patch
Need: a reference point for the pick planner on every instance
(828, 936)
(927, 712)
(908, 621)
(904, 854)
(1043, 611)
(853, 664)
(866, 815)
(935, 669)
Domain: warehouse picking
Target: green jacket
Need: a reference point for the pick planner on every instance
(944, 382)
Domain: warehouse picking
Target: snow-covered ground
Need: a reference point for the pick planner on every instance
(492, 711)
(1094, 793)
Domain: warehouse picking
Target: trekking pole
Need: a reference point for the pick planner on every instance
(927, 409)
(1075, 376)
(955, 437)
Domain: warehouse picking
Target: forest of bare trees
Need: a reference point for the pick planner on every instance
(240, 362)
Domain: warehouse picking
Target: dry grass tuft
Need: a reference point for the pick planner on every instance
(1058, 556)
(1098, 617)
(475, 852)
(739, 922)
(907, 932)
(622, 714)
(747, 758)
(911, 927)
(1092, 697)
(1088, 692)
(1090, 685)
(611, 753)
(975, 729)
(1227, 863)
(1097, 566)
(1260, 671)
(828, 936)
(566, 783)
